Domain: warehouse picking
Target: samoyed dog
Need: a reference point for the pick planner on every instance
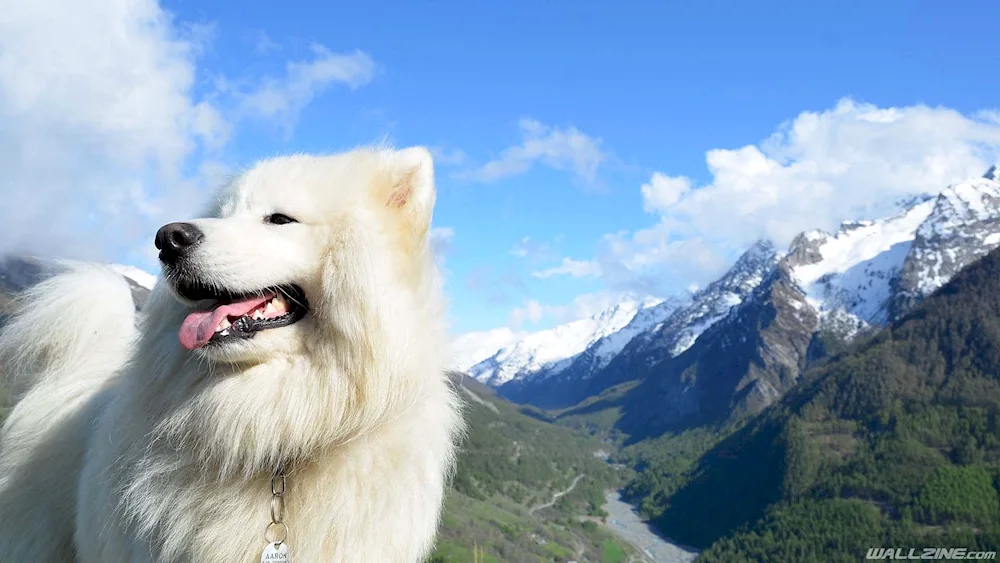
(281, 397)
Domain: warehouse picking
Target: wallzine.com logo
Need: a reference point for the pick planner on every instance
(929, 553)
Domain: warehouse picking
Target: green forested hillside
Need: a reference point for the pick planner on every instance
(894, 442)
(509, 467)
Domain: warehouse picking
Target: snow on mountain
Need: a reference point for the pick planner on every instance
(707, 306)
(644, 321)
(865, 274)
(471, 348)
(572, 353)
(141, 277)
(963, 226)
(552, 350)
(600, 353)
(848, 277)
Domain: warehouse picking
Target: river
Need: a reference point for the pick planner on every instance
(624, 521)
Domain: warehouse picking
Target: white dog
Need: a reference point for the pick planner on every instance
(298, 331)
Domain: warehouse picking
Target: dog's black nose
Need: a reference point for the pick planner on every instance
(175, 239)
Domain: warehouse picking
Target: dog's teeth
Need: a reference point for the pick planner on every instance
(279, 303)
(258, 314)
(225, 332)
(224, 325)
(270, 308)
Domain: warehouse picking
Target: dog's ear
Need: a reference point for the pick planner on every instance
(412, 193)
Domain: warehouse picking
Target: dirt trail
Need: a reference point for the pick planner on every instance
(557, 495)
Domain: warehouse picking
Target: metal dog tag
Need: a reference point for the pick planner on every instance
(276, 553)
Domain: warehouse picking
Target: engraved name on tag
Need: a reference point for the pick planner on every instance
(275, 553)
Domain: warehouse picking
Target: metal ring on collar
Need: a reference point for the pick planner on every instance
(284, 536)
(277, 509)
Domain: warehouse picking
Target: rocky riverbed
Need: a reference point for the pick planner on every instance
(624, 521)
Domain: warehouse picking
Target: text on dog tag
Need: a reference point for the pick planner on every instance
(276, 553)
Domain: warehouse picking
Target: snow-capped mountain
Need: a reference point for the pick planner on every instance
(552, 350)
(963, 226)
(601, 352)
(139, 276)
(471, 348)
(844, 281)
(655, 333)
(848, 276)
(558, 383)
(678, 332)
(763, 319)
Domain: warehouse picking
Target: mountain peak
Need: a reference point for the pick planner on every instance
(964, 226)
(761, 249)
(847, 276)
(993, 173)
(551, 351)
(805, 248)
(962, 204)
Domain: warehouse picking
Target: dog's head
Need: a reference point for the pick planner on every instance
(311, 302)
(298, 248)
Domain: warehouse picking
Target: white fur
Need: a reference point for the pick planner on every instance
(127, 448)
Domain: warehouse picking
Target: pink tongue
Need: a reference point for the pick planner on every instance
(198, 328)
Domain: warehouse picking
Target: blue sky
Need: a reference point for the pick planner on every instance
(550, 117)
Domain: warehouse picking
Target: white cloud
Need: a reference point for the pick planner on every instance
(285, 97)
(441, 245)
(571, 267)
(104, 137)
(568, 150)
(473, 347)
(532, 312)
(441, 238)
(533, 252)
(448, 157)
(816, 171)
(96, 104)
(663, 191)
(523, 248)
(653, 261)
(263, 44)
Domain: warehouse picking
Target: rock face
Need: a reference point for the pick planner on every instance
(19, 272)
(848, 277)
(735, 369)
(686, 325)
(963, 227)
(654, 334)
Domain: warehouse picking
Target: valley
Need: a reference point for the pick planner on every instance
(827, 383)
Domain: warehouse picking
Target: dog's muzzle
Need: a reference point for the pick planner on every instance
(175, 240)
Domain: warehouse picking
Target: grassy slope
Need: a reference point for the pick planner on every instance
(510, 463)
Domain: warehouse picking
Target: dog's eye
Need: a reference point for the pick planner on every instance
(279, 219)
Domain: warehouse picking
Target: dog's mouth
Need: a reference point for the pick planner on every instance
(239, 316)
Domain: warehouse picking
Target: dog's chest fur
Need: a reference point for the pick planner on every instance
(377, 498)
